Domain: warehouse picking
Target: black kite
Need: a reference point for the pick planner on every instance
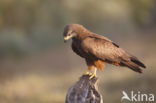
(97, 49)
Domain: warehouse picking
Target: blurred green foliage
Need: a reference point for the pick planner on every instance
(34, 25)
(143, 11)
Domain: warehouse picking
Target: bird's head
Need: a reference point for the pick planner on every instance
(71, 31)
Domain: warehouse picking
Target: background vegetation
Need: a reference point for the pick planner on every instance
(37, 67)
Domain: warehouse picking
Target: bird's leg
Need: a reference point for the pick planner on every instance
(90, 67)
(93, 74)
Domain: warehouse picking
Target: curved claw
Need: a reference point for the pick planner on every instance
(87, 72)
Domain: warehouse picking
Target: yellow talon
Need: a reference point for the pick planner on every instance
(87, 73)
(93, 74)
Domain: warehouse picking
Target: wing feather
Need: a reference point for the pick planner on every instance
(110, 52)
(104, 49)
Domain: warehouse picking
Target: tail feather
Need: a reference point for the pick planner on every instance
(133, 63)
(136, 61)
(132, 66)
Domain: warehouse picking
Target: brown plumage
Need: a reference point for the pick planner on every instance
(97, 49)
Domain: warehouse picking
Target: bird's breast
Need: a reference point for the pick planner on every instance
(77, 48)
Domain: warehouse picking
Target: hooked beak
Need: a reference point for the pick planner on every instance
(67, 38)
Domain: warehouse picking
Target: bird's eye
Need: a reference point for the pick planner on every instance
(71, 33)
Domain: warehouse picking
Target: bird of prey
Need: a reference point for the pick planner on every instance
(97, 50)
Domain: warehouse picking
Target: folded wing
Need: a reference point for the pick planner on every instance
(106, 50)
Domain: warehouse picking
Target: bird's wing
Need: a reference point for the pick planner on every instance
(104, 49)
(110, 52)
